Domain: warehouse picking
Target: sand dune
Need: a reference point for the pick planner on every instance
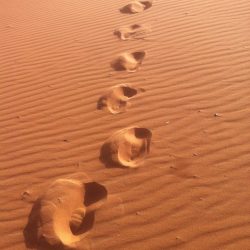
(192, 190)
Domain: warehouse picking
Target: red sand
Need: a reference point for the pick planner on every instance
(192, 192)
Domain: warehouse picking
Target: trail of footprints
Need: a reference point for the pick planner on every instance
(64, 213)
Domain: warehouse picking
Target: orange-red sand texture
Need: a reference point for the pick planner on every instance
(192, 191)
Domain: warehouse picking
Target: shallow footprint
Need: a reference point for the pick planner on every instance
(117, 98)
(134, 31)
(62, 216)
(136, 6)
(127, 147)
(128, 61)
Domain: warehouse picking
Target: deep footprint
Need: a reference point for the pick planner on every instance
(127, 147)
(62, 216)
(131, 32)
(117, 98)
(128, 61)
(136, 7)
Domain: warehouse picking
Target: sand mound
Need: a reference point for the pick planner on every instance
(136, 7)
(127, 147)
(116, 100)
(128, 61)
(134, 31)
(58, 216)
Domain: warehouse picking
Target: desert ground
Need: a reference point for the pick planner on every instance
(125, 124)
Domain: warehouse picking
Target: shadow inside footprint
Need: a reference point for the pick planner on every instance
(139, 55)
(40, 231)
(106, 156)
(147, 4)
(126, 148)
(136, 7)
(95, 194)
(129, 92)
(128, 61)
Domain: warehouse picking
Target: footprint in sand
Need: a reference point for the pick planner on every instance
(116, 100)
(128, 61)
(64, 214)
(131, 32)
(136, 6)
(127, 147)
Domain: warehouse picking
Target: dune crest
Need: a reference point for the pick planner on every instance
(127, 147)
(116, 100)
(128, 61)
(58, 215)
(136, 7)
